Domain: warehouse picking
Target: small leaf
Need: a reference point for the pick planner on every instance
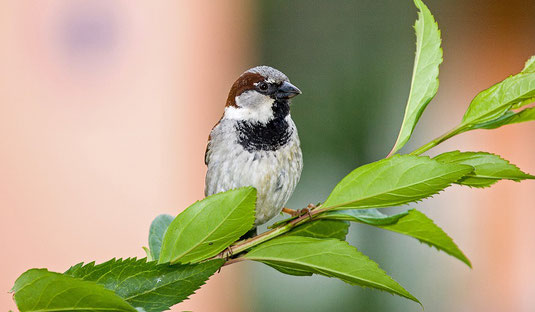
(147, 252)
(368, 216)
(411, 222)
(156, 233)
(513, 92)
(281, 222)
(289, 270)
(209, 226)
(148, 285)
(530, 65)
(488, 168)
(397, 180)
(328, 257)
(424, 83)
(322, 229)
(510, 117)
(495, 123)
(527, 114)
(41, 290)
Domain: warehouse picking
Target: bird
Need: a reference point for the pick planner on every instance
(255, 143)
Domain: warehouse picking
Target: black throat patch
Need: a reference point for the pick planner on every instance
(255, 136)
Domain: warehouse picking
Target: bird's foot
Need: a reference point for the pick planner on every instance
(311, 206)
(227, 253)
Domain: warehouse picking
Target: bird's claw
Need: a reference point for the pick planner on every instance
(227, 253)
(307, 212)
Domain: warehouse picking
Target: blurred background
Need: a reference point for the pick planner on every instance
(105, 108)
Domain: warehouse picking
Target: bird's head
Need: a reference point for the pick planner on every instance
(259, 95)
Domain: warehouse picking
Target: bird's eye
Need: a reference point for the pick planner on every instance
(262, 86)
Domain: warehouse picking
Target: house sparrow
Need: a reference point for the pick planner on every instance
(256, 143)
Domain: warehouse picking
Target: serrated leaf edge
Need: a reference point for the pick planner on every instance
(320, 269)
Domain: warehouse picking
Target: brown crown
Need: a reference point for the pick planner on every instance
(244, 83)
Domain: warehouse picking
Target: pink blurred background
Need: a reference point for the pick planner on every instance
(105, 108)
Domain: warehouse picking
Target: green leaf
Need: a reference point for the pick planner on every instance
(328, 257)
(510, 117)
(41, 290)
(513, 92)
(530, 65)
(209, 226)
(491, 108)
(411, 222)
(367, 216)
(424, 84)
(148, 285)
(488, 168)
(397, 180)
(316, 229)
(156, 233)
(322, 229)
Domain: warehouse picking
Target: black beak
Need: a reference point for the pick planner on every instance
(287, 91)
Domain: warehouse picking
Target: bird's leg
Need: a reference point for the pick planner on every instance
(229, 253)
(291, 212)
(299, 212)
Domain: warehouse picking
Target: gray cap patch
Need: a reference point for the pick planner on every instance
(270, 73)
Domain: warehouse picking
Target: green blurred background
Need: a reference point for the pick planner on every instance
(353, 61)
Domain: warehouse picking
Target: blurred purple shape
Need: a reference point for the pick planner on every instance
(88, 30)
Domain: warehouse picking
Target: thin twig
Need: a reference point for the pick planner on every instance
(453, 132)
(242, 246)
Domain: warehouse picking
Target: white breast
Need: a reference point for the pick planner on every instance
(273, 173)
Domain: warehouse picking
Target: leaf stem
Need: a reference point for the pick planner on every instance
(457, 130)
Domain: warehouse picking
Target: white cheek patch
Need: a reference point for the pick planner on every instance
(252, 106)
